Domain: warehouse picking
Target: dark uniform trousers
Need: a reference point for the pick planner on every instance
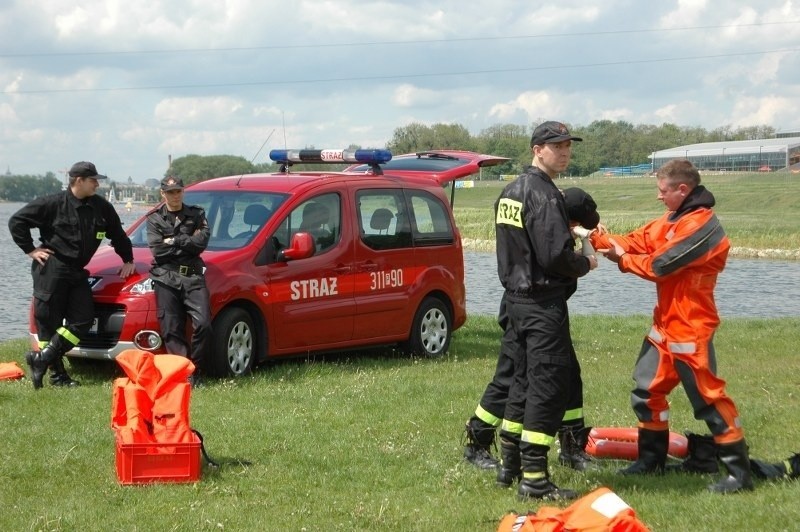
(553, 373)
(174, 304)
(61, 292)
(494, 402)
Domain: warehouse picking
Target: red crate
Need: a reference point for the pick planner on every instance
(143, 463)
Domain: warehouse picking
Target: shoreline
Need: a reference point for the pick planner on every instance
(475, 244)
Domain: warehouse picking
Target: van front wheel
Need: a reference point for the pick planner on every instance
(234, 344)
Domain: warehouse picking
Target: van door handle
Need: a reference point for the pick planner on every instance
(369, 267)
(341, 270)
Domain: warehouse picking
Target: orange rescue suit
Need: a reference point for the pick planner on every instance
(682, 252)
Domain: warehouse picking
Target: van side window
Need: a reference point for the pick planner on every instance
(430, 220)
(320, 216)
(383, 219)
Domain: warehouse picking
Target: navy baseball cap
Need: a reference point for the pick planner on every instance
(548, 132)
(171, 183)
(85, 169)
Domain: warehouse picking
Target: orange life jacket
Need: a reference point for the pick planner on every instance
(152, 403)
(599, 511)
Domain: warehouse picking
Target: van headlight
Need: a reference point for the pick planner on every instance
(142, 287)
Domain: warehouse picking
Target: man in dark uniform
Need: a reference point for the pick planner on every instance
(497, 406)
(71, 226)
(177, 234)
(539, 268)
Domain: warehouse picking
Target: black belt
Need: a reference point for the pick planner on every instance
(182, 269)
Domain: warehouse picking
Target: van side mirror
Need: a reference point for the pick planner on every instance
(301, 247)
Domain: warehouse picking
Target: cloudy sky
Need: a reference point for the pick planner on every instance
(127, 84)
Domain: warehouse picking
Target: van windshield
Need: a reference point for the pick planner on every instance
(235, 217)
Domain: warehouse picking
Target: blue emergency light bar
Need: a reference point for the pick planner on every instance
(331, 156)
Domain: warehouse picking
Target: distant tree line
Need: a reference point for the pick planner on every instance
(605, 143)
(27, 187)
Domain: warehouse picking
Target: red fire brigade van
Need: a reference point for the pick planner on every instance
(302, 262)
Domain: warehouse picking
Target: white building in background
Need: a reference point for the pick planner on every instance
(762, 155)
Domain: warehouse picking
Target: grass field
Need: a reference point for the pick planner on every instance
(758, 211)
(372, 441)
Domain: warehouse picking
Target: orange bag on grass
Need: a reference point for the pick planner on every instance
(10, 371)
(599, 511)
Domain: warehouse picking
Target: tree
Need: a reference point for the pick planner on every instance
(193, 168)
(27, 187)
(417, 137)
(506, 140)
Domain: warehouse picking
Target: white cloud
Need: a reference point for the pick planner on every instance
(408, 95)
(531, 104)
(197, 112)
(768, 109)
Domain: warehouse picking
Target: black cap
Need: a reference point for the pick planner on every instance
(171, 183)
(85, 169)
(548, 132)
(581, 208)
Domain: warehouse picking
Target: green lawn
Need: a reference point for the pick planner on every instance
(372, 440)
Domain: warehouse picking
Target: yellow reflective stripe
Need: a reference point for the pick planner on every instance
(101, 235)
(487, 417)
(68, 336)
(684, 348)
(43, 344)
(509, 212)
(533, 475)
(511, 427)
(572, 415)
(537, 438)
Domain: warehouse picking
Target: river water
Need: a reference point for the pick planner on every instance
(747, 287)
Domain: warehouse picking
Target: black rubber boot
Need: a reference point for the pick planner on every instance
(789, 468)
(59, 375)
(767, 471)
(653, 446)
(702, 455)
(535, 483)
(792, 466)
(510, 469)
(39, 361)
(735, 458)
(479, 438)
(573, 453)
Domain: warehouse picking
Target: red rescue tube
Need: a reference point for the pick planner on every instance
(622, 443)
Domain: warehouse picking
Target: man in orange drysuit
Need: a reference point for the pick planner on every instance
(683, 251)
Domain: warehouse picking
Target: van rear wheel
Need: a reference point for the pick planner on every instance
(234, 344)
(431, 329)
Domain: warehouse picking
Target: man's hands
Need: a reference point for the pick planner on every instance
(127, 270)
(614, 252)
(40, 255)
